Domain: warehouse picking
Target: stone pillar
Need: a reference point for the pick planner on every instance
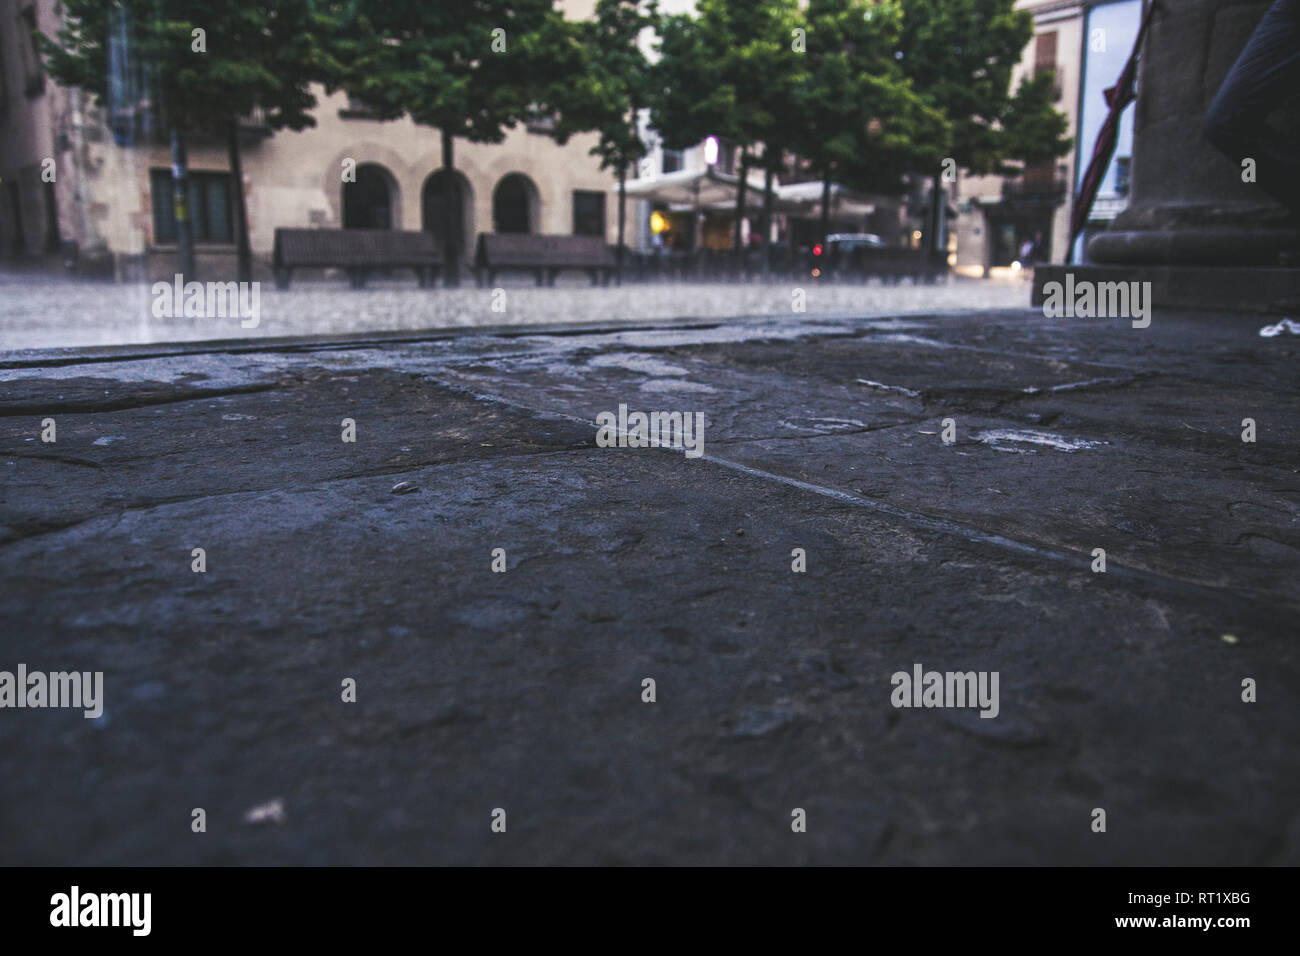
(1189, 204)
(1205, 238)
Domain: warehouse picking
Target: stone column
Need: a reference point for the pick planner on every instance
(1189, 205)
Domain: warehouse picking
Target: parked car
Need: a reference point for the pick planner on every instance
(859, 256)
(843, 254)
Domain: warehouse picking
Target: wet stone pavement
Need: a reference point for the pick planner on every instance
(523, 690)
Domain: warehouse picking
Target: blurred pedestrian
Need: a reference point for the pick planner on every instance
(1027, 254)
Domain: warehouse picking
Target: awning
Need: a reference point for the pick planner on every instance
(706, 188)
(805, 199)
(714, 191)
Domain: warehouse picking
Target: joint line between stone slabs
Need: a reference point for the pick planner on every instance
(52, 357)
(101, 407)
(929, 522)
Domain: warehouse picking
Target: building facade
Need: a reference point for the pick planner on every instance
(1086, 43)
(71, 185)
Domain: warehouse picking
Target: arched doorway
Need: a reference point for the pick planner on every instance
(515, 204)
(368, 202)
(462, 210)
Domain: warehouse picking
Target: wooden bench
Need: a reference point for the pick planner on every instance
(544, 256)
(358, 251)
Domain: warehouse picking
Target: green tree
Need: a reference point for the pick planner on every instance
(729, 71)
(861, 122)
(960, 54)
(605, 84)
(775, 69)
(1033, 129)
(471, 69)
(206, 63)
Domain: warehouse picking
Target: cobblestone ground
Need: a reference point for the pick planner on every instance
(37, 312)
(522, 690)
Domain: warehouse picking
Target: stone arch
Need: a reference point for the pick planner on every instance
(362, 153)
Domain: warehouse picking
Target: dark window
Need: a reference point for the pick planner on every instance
(672, 160)
(209, 206)
(726, 157)
(367, 203)
(512, 204)
(33, 77)
(1045, 51)
(588, 213)
(1045, 58)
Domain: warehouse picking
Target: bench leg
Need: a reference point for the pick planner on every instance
(282, 278)
(357, 278)
(420, 277)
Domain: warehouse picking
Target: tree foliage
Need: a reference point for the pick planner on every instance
(860, 118)
(960, 55)
(729, 71)
(256, 54)
(473, 68)
(604, 80)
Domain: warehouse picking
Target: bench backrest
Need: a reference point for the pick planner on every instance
(529, 251)
(354, 247)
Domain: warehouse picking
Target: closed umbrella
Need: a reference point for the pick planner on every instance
(1118, 97)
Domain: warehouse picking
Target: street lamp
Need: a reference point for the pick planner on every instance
(711, 151)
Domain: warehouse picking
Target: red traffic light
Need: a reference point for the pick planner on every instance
(817, 249)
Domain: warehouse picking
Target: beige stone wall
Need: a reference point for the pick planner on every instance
(296, 179)
(1069, 61)
(290, 179)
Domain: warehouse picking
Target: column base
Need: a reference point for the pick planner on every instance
(1265, 290)
(1226, 234)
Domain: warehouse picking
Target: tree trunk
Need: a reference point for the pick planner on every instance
(740, 209)
(936, 198)
(244, 254)
(767, 217)
(622, 217)
(451, 242)
(826, 206)
(181, 207)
